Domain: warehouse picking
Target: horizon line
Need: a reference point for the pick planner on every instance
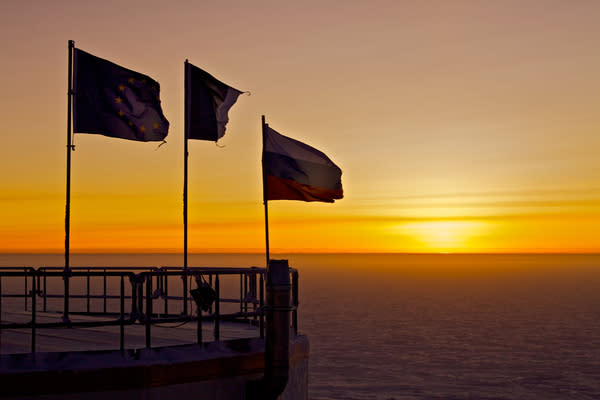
(316, 252)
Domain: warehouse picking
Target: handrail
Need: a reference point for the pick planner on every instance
(147, 285)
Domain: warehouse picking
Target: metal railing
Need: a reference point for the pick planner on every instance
(144, 291)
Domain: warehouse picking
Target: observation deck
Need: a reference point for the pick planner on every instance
(157, 332)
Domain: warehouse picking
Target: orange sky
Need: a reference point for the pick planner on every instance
(461, 126)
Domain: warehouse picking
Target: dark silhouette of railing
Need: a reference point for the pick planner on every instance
(141, 290)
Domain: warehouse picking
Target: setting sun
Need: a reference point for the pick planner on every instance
(443, 236)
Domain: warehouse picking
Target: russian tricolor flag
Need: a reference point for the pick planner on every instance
(296, 171)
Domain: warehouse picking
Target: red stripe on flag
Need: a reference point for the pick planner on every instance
(287, 189)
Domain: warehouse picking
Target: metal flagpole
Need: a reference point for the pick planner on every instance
(264, 176)
(69, 148)
(68, 202)
(185, 181)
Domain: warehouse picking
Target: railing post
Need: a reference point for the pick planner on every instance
(185, 292)
(45, 290)
(158, 282)
(253, 290)
(210, 283)
(122, 321)
(262, 306)
(199, 322)
(217, 310)
(26, 288)
(104, 291)
(295, 301)
(134, 291)
(88, 290)
(140, 296)
(148, 308)
(33, 310)
(66, 276)
(166, 292)
(245, 292)
(241, 292)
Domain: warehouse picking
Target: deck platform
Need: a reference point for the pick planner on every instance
(15, 341)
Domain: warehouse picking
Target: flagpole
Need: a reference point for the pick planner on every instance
(265, 191)
(185, 182)
(68, 199)
(69, 146)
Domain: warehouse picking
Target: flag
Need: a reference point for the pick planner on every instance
(114, 101)
(296, 171)
(208, 102)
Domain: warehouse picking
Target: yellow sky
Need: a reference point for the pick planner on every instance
(461, 126)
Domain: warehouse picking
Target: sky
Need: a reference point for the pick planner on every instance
(460, 126)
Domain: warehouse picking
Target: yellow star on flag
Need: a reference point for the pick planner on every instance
(121, 87)
(130, 123)
(142, 128)
(131, 80)
(155, 125)
(121, 113)
(119, 100)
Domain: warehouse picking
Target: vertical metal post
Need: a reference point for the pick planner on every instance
(199, 322)
(158, 279)
(241, 292)
(295, 301)
(122, 319)
(68, 195)
(45, 290)
(33, 312)
(148, 308)
(134, 291)
(262, 306)
(217, 310)
(66, 276)
(166, 292)
(69, 149)
(265, 189)
(104, 292)
(185, 291)
(187, 99)
(26, 288)
(140, 296)
(245, 292)
(254, 292)
(210, 282)
(88, 290)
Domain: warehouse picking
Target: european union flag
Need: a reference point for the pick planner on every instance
(114, 101)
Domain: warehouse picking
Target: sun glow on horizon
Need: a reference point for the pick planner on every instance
(443, 236)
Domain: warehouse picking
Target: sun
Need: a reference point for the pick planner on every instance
(443, 236)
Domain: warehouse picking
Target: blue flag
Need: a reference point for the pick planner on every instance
(114, 101)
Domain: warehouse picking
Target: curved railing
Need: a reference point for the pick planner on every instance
(145, 296)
